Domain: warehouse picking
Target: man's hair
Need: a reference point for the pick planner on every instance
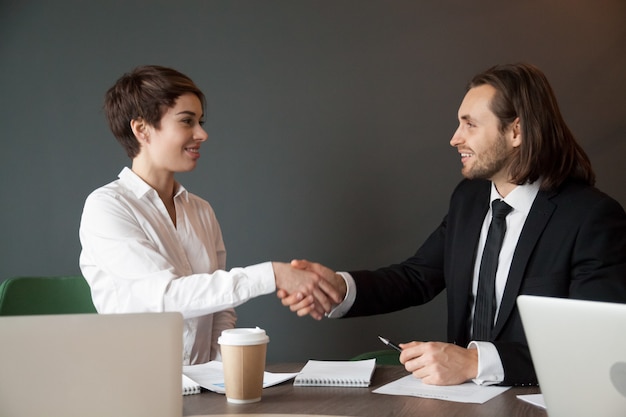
(548, 150)
(146, 92)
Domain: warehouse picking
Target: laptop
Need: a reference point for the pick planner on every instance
(579, 352)
(80, 365)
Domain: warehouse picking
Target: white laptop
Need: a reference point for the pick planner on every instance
(579, 352)
(81, 365)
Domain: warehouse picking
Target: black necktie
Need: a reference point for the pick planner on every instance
(484, 313)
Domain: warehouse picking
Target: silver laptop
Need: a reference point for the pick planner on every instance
(83, 365)
(579, 352)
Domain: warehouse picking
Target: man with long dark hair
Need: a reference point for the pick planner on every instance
(559, 236)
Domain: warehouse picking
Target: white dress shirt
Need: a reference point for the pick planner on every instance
(136, 260)
(490, 370)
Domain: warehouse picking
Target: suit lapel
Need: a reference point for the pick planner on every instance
(470, 217)
(537, 219)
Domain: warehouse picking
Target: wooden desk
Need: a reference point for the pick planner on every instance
(287, 399)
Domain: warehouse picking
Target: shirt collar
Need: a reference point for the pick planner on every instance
(140, 188)
(521, 198)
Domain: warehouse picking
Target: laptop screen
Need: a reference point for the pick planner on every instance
(88, 364)
(579, 352)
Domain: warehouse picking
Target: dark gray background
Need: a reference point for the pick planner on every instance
(329, 124)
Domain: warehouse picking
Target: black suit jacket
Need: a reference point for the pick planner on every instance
(573, 245)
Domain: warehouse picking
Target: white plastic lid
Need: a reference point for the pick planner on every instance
(243, 337)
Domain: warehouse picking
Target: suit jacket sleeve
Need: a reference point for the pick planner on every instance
(413, 282)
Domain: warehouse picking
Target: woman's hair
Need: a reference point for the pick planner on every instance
(146, 92)
(548, 150)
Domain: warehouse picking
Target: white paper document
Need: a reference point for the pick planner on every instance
(534, 399)
(210, 375)
(464, 393)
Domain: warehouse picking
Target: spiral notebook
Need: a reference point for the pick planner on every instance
(190, 386)
(336, 373)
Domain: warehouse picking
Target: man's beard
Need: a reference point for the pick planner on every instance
(491, 162)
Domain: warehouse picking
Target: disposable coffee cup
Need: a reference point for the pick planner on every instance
(243, 357)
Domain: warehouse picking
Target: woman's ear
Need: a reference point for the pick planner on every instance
(140, 129)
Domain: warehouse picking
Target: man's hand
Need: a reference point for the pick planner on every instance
(305, 289)
(438, 363)
(330, 284)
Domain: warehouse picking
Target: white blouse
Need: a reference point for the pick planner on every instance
(136, 260)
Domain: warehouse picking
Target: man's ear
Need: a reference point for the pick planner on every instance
(140, 129)
(516, 133)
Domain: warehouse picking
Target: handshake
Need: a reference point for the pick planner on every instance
(308, 288)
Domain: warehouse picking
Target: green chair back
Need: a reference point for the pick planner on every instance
(383, 357)
(45, 295)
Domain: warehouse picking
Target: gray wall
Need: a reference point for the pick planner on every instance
(329, 124)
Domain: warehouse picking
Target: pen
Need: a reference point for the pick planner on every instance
(390, 343)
